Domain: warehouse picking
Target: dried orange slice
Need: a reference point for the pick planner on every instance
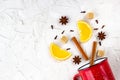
(85, 31)
(59, 53)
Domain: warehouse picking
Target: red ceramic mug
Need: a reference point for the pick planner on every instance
(99, 71)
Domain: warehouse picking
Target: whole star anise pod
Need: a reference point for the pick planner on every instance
(76, 60)
(63, 20)
(101, 35)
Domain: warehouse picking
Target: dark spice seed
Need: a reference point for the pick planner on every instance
(55, 37)
(100, 43)
(51, 26)
(95, 28)
(96, 21)
(103, 26)
(71, 30)
(63, 32)
(83, 12)
(68, 49)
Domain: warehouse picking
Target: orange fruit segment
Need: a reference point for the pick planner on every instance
(58, 53)
(85, 31)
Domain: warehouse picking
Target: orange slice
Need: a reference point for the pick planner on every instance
(85, 31)
(58, 53)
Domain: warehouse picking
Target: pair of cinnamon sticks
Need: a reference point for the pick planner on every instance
(93, 53)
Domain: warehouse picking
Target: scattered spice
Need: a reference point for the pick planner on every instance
(96, 21)
(101, 35)
(78, 45)
(100, 43)
(76, 60)
(52, 27)
(95, 28)
(94, 46)
(71, 30)
(55, 37)
(83, 12)
(63, 32)
(63, 20)
(64, 39)
(103, 26)
(68, 49)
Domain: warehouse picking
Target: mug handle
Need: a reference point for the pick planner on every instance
(76, 76)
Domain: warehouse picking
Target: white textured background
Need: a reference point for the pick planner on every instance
(25, 36)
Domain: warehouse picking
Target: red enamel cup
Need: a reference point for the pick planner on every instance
(99, 71)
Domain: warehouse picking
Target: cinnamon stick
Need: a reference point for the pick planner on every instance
(80, 48)
(94, 46)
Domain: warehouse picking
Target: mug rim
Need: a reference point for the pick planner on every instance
(79, 69)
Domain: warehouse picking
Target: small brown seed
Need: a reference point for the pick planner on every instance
(100, 43)
(103, 26)
(71, 30)
(83, 12)
(95, 28)
(68, 49)
(52, 27)
(96, 21)
(55, 37)
(63, 32)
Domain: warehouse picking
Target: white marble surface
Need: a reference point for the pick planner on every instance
(25, 35)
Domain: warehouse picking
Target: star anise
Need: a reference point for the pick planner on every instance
(101, 35)
(76, 60)
(63, 20)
